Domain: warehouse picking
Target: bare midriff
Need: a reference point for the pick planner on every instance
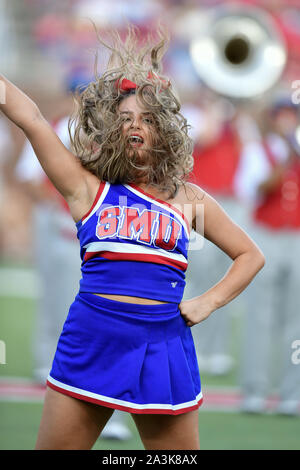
(131, 300)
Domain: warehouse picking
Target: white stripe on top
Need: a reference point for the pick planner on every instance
(116, 247)
(98, 204)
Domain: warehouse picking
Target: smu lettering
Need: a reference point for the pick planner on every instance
(147, 226)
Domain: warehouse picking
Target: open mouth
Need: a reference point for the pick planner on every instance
(136, 140)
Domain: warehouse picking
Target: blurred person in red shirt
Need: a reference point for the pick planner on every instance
(269, 181)
(216, 159)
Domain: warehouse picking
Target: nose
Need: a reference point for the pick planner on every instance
(135, 123)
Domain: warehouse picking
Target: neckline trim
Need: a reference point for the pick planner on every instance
(161, 201)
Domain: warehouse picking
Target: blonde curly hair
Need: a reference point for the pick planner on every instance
(97, 137)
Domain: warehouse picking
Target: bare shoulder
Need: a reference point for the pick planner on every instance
(193, 192)
(195, 195)
(190, 194)
(199, 205)
(188, 199)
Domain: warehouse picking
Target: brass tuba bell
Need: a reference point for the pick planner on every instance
(239, 52)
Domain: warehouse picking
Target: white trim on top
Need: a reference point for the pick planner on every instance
(115, 247)
(98, 204)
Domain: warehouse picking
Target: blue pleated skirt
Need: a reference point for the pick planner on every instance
(135, 358)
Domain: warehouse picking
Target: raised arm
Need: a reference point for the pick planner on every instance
(62, 167)
(232, 240)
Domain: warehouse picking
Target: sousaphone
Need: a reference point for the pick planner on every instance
(239, 52)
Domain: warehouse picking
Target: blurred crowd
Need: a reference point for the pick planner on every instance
(246, 155)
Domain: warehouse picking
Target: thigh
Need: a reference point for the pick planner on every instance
(70, 424)
(169, 432)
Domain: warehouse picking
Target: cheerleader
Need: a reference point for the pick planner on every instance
(126, 343)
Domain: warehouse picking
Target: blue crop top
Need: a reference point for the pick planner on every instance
(133, 244)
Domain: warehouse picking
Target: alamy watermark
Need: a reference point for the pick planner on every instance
(2, 92)
(2, 352)
(295, 357)
(296, 93)
(158, 225)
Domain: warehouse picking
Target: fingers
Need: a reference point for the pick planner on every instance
(187, 319)
(191, 315)
(184, 315)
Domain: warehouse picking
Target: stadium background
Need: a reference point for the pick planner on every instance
(44, 45)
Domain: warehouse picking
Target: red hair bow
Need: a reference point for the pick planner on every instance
(126, 85)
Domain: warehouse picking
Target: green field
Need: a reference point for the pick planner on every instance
(19, 421)
(218, 430)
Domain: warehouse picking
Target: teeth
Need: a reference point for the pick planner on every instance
(135, 138)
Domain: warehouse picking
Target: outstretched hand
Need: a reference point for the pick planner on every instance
(196, 310)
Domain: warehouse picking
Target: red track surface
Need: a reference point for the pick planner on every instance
(221, 399)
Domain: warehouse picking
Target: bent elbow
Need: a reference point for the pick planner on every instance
(260, 259)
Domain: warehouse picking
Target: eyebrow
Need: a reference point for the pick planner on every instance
(131, 112)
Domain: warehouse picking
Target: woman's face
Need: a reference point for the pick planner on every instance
(138, 126)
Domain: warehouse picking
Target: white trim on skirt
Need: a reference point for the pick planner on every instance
(154, 408)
